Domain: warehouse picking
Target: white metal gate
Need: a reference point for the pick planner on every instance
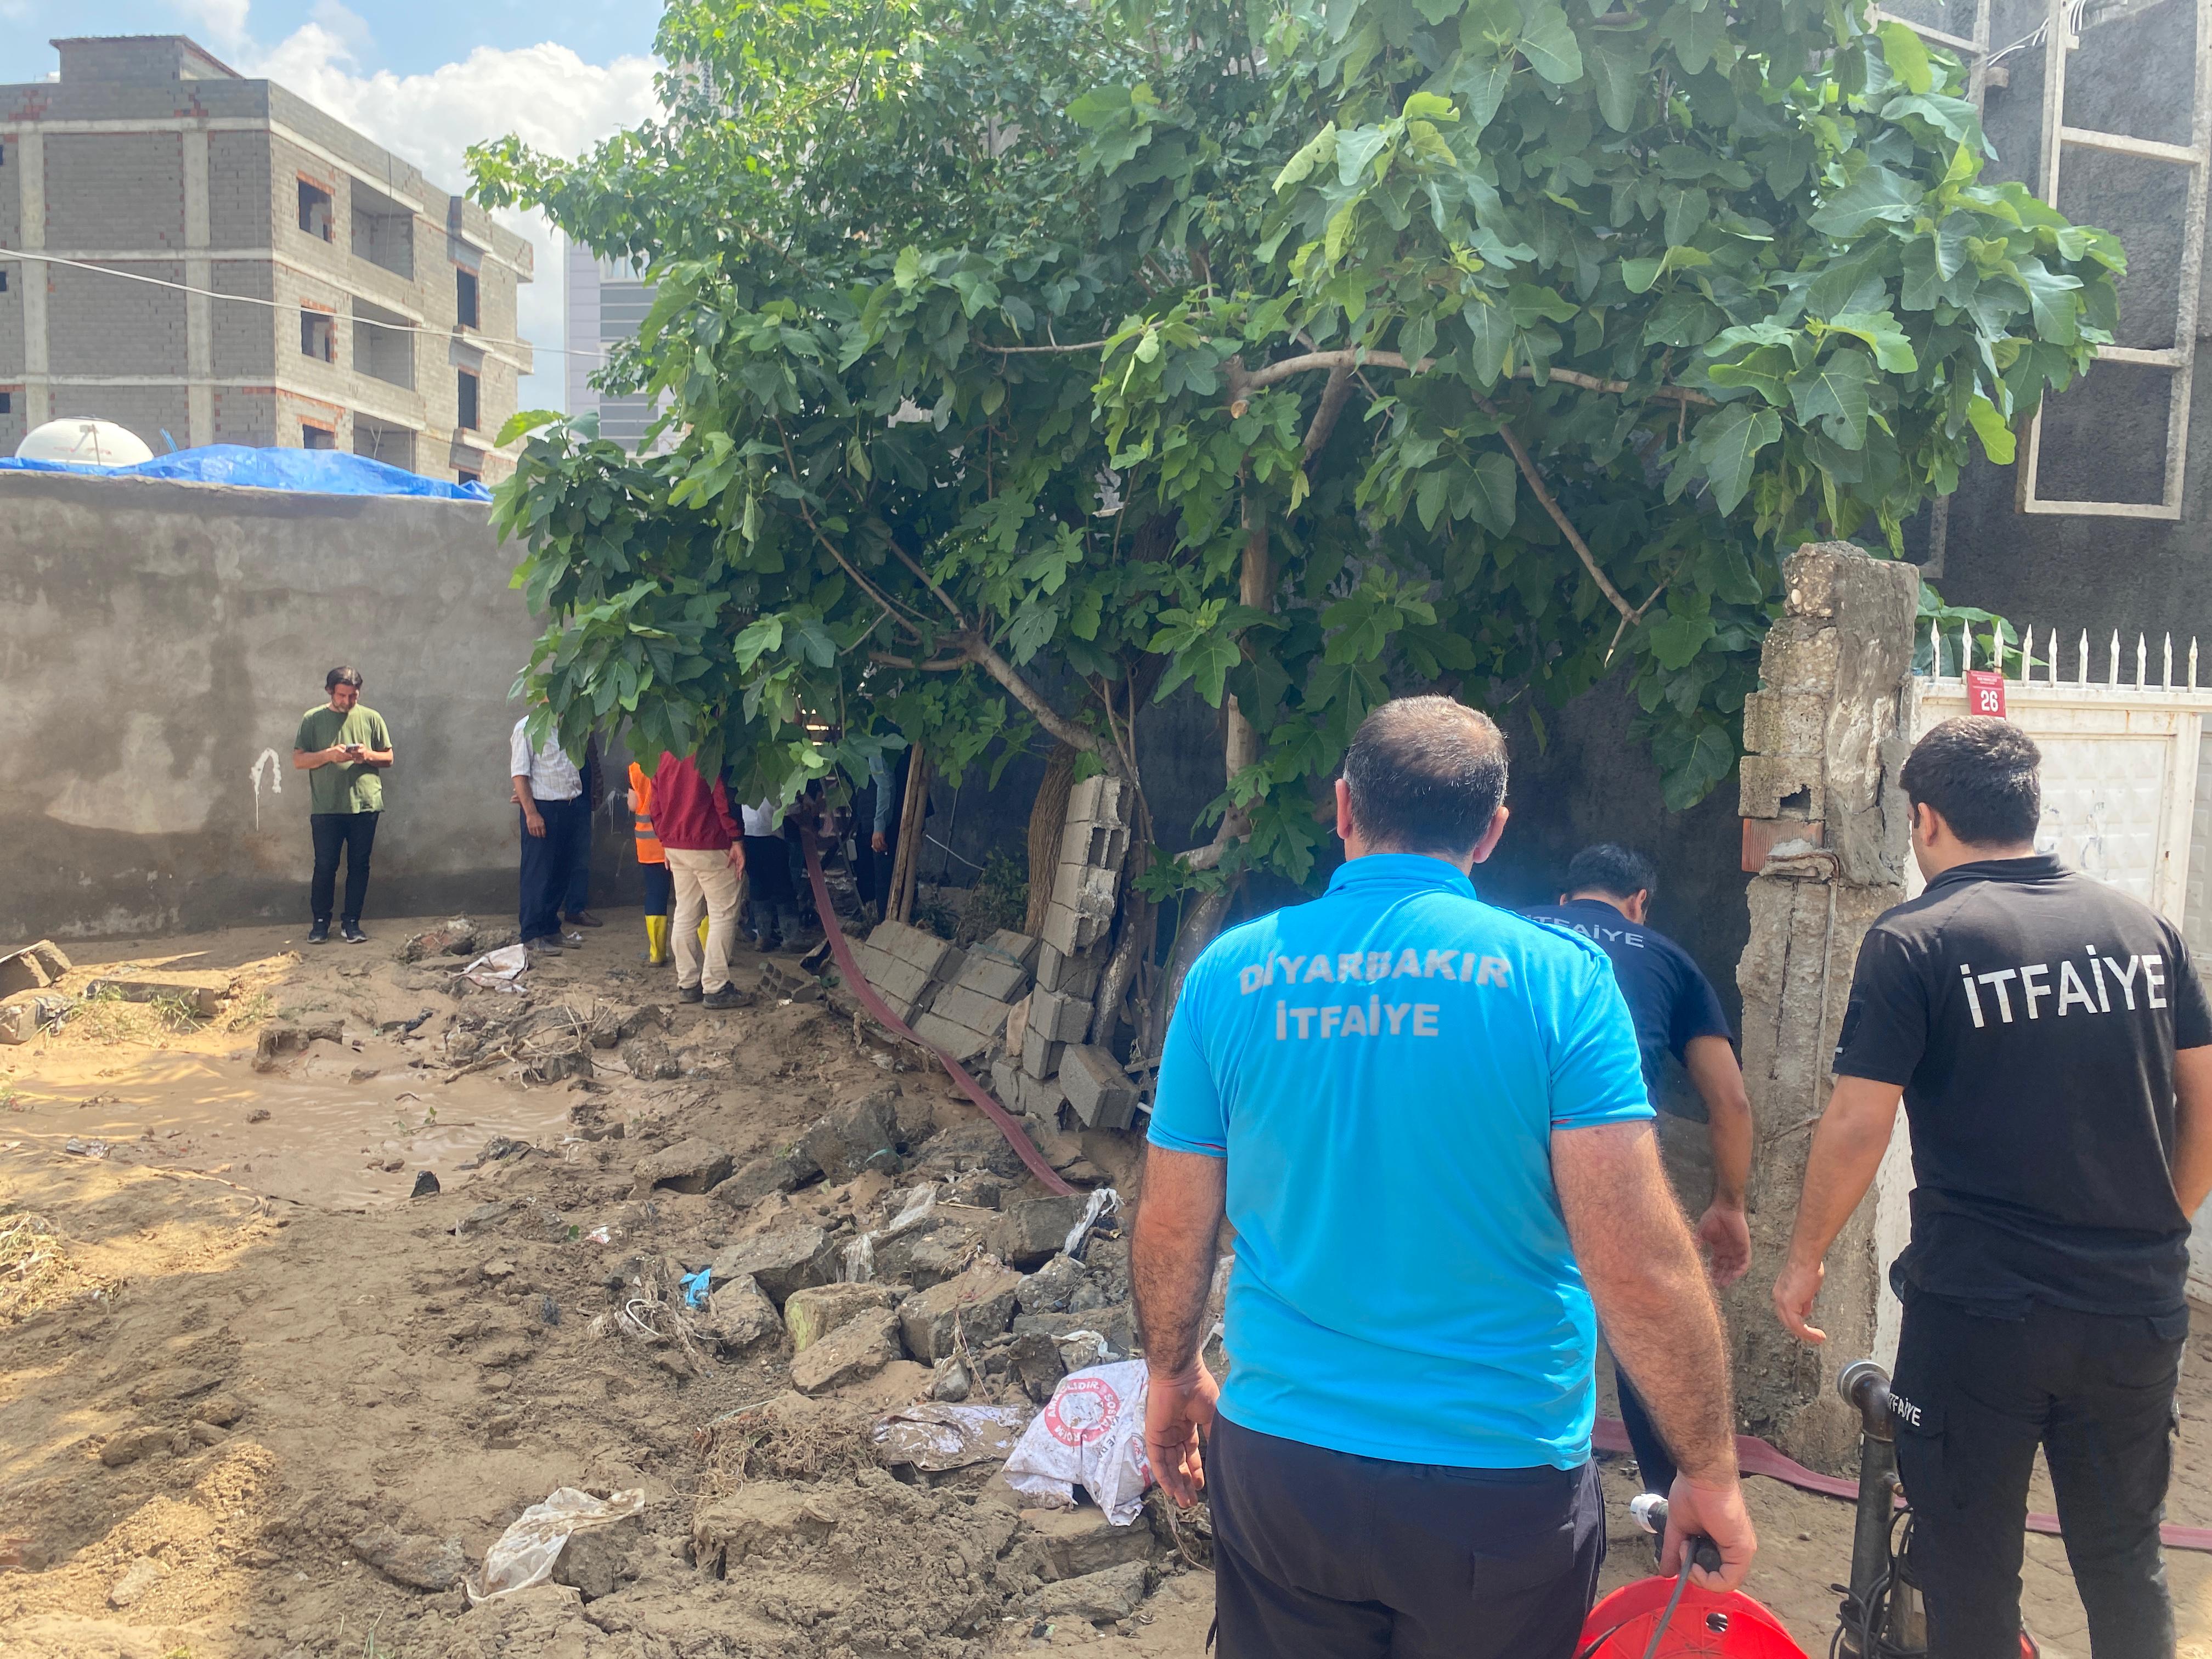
(2127, 797)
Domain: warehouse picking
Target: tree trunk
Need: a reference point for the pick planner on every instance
(1140, 927)
(1048, 817)
(913, 812)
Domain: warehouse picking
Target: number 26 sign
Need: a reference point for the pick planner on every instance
(1985, 692)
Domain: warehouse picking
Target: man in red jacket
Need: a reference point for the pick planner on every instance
(705, 860)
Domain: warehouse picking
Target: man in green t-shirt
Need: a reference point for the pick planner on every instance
(343, 748)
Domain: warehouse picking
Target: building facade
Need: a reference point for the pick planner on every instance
(308, 288)
(607, 302)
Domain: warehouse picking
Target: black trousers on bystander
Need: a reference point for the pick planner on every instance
(548, 862)
(1323, 1552)
(353, 834)
(1974, 1397)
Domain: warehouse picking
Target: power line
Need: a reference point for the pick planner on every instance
(280, 304)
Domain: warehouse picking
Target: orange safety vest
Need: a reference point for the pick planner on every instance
(648, 842)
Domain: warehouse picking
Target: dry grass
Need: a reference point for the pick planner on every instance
(36, 1269)
(773, 1441)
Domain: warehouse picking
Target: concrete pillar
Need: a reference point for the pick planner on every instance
(1826, 828)
(199, 273)
(31, 176)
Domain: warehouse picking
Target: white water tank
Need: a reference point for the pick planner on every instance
(87, 442)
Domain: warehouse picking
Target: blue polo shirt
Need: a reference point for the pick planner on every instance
(1383, 1068)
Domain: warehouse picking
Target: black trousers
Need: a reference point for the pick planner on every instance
(353, 833)
(659, 889)
(1323, 1555)
(1655, 1464)
(1976, 1396)
(548, 862)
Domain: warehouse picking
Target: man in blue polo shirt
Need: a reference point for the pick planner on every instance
(1426, 1120)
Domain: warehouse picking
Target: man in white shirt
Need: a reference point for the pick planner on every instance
(775, 904)
(557, 823)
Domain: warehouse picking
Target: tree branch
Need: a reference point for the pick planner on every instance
(980, 652)
(1334, 396)
(935, 665)
(900, 554)
(829, 547)
(1544, 497)
(1242, 382)
(1046, 350)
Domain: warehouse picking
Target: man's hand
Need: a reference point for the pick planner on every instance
(880, 842)
(535, 822)
(1794, 1291)
(1713, 1509)
(1725, 1236)
(736, 855)
(1178, 1411)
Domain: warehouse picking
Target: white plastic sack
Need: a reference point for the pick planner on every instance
(1092, 1435)
(499, 970)
(526, 1551)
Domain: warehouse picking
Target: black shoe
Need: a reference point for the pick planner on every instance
(547, 946)
(585, 919)
(350, 932)
(319, 933)
(728, 997)
(690, 993)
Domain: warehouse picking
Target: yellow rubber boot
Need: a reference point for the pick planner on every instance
(656, 940)
(702, 933)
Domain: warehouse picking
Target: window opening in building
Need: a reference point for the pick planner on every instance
(317, 336)
(468, 400)
(383, 231)
(317, 437)
(460, 477)
(4, 282)
(316, 216)
(7, 403)
(464, 299)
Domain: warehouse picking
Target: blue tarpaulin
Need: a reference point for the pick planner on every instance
(317, 471)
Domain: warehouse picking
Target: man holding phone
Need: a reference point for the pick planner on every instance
(344, 746)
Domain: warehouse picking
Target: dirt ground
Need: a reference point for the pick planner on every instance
(254, 1397)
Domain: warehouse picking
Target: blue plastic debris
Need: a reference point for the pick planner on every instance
(694, 1288)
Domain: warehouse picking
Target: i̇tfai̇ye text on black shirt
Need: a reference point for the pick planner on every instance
(2030, 1016)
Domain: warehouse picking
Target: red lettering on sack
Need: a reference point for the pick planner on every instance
(1082, 1414)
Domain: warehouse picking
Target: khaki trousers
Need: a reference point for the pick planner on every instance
(704, 882)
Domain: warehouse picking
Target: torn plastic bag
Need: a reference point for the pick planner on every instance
(933, 1436)
(526, 1551)
(1092, 1434)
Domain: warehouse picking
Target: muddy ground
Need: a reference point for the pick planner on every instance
(256, 1401)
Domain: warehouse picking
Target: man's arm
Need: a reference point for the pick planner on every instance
(1171, 1267)
(532, 819)
(306, 760)
(1847, 1150)
(1722, 1230)
(1642, 1271)
(2192, 1136)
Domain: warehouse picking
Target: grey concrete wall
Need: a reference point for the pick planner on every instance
(156, 639)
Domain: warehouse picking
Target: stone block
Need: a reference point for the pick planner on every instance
(1030, 1234)
(1034, 1364)
(980, 1301)
(1101, 1598)
(741, 1313)
(1097, 1088)
(1062, 1018)
(1116, 1322)
(779, 1172)
(840, 1142)
(1083, 1541)
(415, 1559)
(1041, 1055)
(1049, 1288)
(599, 1560)
(789, 1259)
(34, 968)
(691, 1165)
(924, 1259)
(23, 1019)
(812, 1314)
(853, 1352)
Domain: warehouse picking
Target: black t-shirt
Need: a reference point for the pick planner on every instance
(2031, 1015)
(1669, 997)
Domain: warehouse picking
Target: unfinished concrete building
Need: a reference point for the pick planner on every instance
(308, 288)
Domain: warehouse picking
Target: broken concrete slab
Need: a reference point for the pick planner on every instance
(691, 1165)
(415, 1559)
(812, 1313)
(978, 1302)
(741, 1313)
(789, 1259)
(27, 1016)
(203, 993)
(841, 1141)
(855, 1350)
(1101, 1598)
(32, 967)
(1082, 1541)
(778, 1172)
(1031, 1233)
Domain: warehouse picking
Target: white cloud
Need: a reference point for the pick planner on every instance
(224, 21)
(546, 93)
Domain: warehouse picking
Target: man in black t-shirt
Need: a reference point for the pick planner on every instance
(1676, 1011)
(2053, 1047)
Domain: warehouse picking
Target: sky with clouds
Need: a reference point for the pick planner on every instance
(424, 80)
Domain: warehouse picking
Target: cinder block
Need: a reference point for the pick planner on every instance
(1098, 800)
(1017, 947)
(971, 1008)
(1042, 1098)
(1061, 1018)
(1074, 976)
(957, 1041)
(989, 973)
(1062, 930)
(1081, 887)
(1097, 1088)
(1103, 845)
(1040, 1054)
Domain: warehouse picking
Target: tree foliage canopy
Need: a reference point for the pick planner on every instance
(1025, 361)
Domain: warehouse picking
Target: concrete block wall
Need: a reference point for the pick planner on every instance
(14, 272)
(239, 190)
(102, 325)
(150, 410)
(245, 415)
(243, 337)
(132, 815)
(1820, 794)
(115, 190)
(11, 192)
